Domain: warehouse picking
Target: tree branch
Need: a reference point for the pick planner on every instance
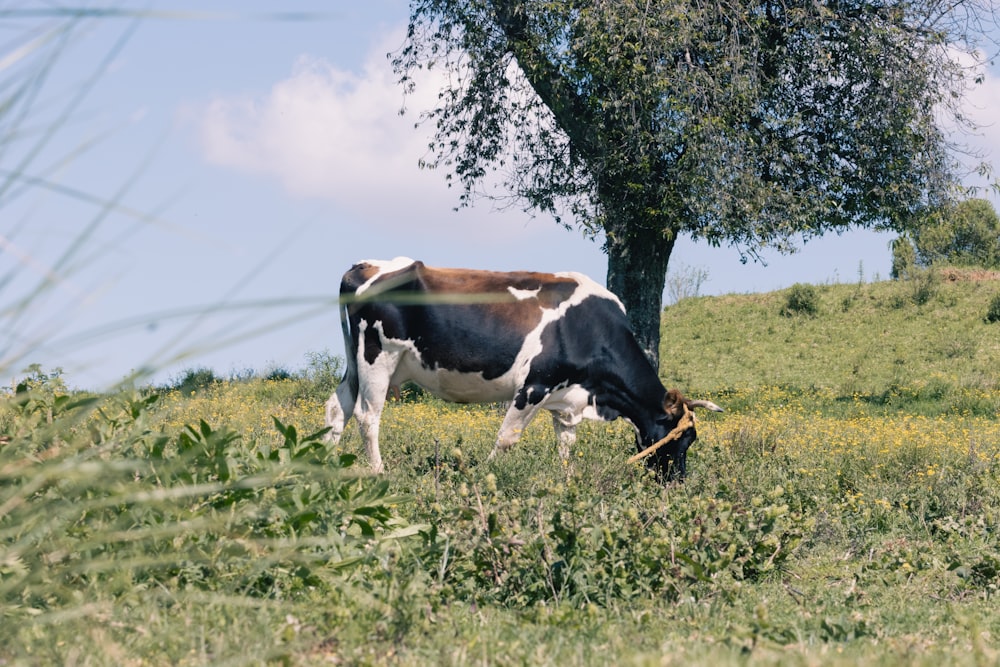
(553, 89)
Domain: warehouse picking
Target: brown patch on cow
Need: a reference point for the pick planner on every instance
(673, 403)
(490, 292)
(555, 291)
(353, 279)
(552, 290)
(359, 274)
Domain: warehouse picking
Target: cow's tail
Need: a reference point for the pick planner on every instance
(350, 349)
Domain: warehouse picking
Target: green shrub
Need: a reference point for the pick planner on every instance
(924, 285)
(114, 511)
(802, 299)
(567, 543)
(324, 371)
(993, 312)
(964, 234)
(194, 380)
(278, 373)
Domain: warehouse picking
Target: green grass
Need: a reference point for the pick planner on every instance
(838, 513)
(866, 339)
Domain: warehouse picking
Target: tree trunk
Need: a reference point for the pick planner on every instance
(637, 271)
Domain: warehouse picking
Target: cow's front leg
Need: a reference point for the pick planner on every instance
(514, 423)
(369, 427)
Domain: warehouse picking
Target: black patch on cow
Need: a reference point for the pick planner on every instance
(669, 461)
(593, 346)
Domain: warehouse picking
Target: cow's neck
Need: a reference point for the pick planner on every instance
(640, 401)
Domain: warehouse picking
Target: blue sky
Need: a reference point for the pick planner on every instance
(198, 204)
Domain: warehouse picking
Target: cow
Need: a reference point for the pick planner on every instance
(536, 340)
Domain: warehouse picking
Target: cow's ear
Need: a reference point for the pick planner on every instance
(673, 403)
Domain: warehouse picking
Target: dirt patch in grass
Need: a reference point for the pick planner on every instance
(969, 275)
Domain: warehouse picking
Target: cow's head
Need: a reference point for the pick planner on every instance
(665, 450)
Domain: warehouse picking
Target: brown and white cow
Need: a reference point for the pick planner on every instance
(555, 341)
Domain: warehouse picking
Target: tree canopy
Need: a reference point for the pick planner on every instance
(744, 122)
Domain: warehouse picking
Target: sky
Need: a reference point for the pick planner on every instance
(184, 190)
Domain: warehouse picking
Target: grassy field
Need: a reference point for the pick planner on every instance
(845, 509)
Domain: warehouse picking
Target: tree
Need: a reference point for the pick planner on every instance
(904, 258)
(747, 122)
(966, 234)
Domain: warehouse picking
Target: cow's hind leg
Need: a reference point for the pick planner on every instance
(372, 394)
(514, 423)
(340, 407)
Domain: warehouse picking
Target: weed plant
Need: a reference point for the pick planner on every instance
(993, 311)
(116, 530)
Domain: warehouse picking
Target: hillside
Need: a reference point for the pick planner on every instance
(863, 339)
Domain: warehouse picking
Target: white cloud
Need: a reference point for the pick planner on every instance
(980, 105)
(334, 134)
(984, 101)
(322, 131)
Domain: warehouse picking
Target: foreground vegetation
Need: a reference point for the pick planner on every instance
(845, 508)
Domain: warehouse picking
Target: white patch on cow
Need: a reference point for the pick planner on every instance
(372, 392)
(454, 386)
(571, 405)
(384, 266)
(590, 287)
(379, 371)
(523, 294)
(532, 346)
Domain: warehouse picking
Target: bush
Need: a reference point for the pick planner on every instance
(966, 234)
(195, 379)
(569, 544)
(993, 312)
(802, 299)
(924, 285)
(120, 509)
(278, 373)
(685, 282)
(323, 372)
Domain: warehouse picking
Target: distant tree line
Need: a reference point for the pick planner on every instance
(966, 234)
